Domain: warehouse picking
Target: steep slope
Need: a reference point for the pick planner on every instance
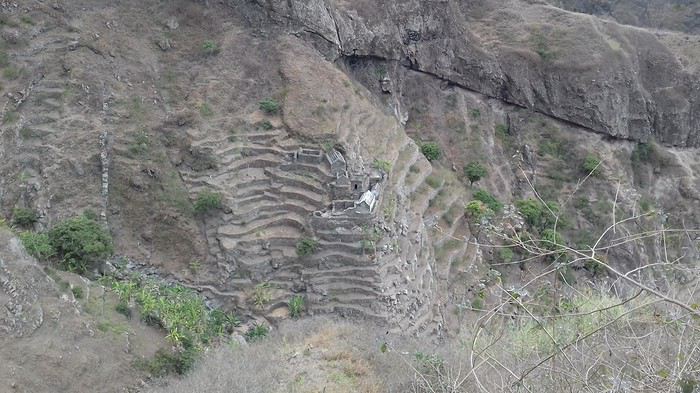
(54, 341)
(529, 55)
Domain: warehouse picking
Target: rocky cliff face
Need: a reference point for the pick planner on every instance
(606, 82)
(678, 15)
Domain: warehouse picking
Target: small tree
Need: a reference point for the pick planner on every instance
(474, 171)
(431, 151)
(80, 243)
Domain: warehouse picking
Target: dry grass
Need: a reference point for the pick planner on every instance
(313, 355)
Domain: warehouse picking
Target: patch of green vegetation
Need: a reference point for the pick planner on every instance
(389, 209)
(123, 308)
(4, 58)
(505, 255)
(434, 181)
(11, 117)
(478, 210)
(306, 246)
(77, 292)
(475, 113)
(566, 275)
(37, 245)
(166, 362)
(502, 132)
(475, 171)
(431, 151)
(175, 194)
(137, 110)
(382, 165)
(649, 153)
(646, 205)
(26, 19)
(269, 106)
(591, 165)
(451, 101)
(210, 48)
(140, 144)
(594, 266)
(205, 110)
(179, 310)
(456, 125)
(296, 306)
(23, 217)
(536, 214)
(207, 201)
(542, 47)
(488, 199)
(553, 148)
(80, 243)
(262, 295)
(257, 332)
(266, 125)
(11, 72)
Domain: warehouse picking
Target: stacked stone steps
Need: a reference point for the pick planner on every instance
(294, 180)
(288, 219)
(347, 310)
(303, 194)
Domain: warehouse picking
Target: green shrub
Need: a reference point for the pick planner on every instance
(207, 201)
(80, 243)
(474, 171)
(11, 72)
(140, 144)
(22, 217)
(296, 306)
(11, 117)
(123, 308)
(266, 125)
(262, 295)
(37, 245)
(306, 246)
(210, 48)
(536, 214)
(478, 210)
(166, 362)
(489, 200)
(269, 106)
(77, 292)
(502, 131)
(431, 151)
(382, 165)
(505, 255)
(475, 113)
(642, 153)
(595, 267)
(257, 332)
(591, 164)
